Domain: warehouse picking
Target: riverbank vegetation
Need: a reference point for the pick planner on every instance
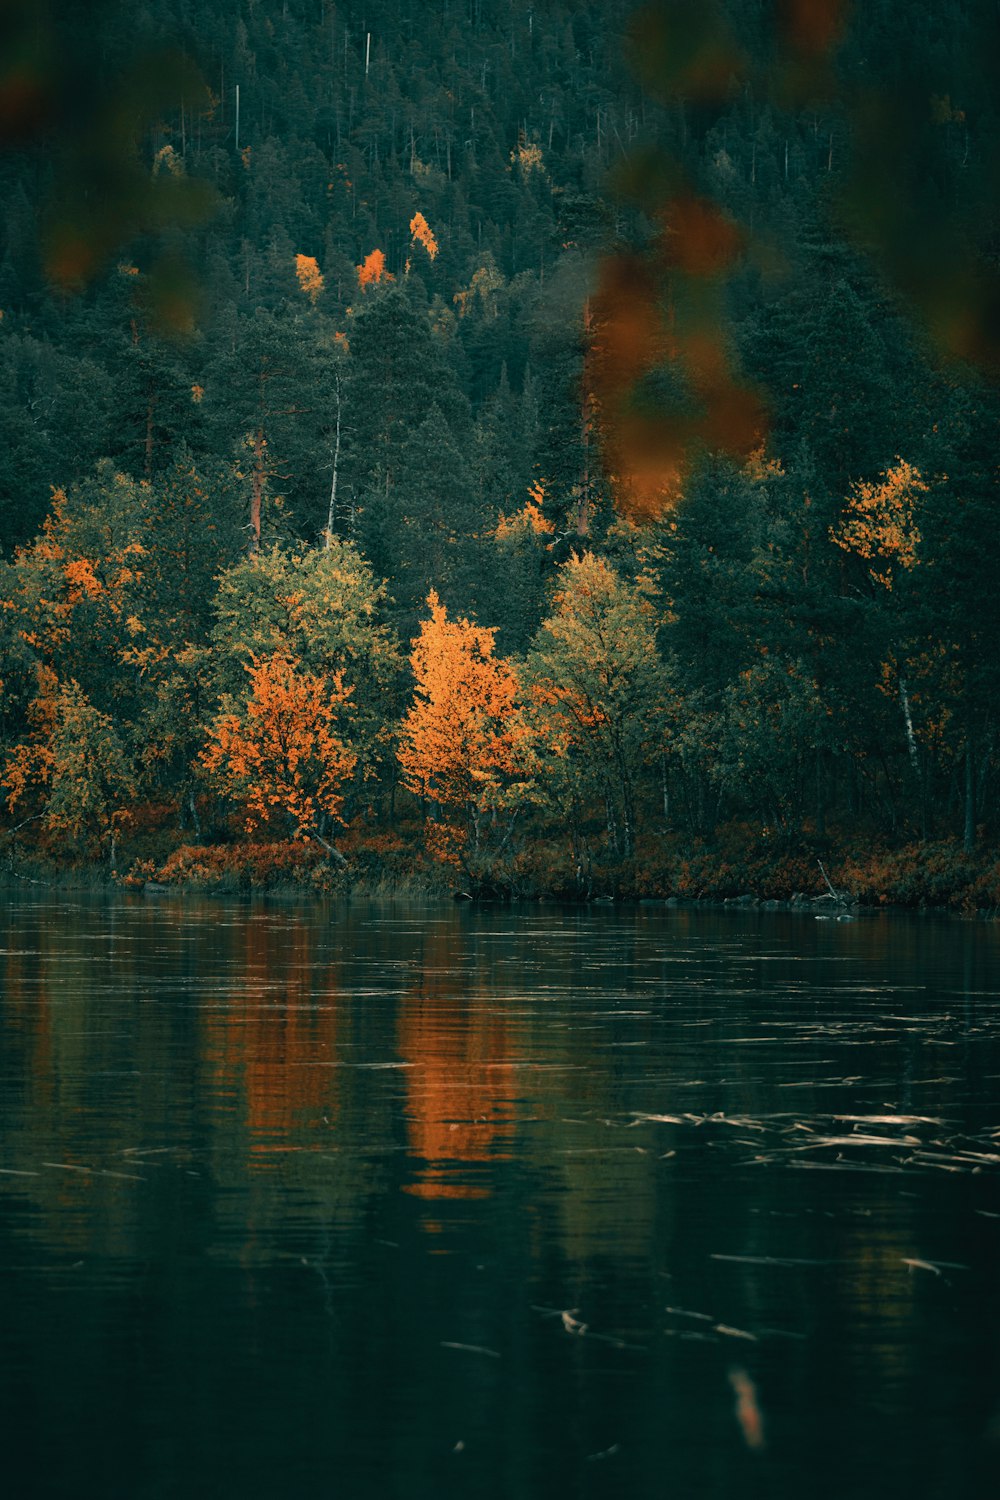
(518, 449)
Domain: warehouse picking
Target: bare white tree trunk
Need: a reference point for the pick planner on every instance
(331, 513)
(911, 739)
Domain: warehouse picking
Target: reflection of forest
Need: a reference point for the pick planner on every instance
(224, 1073)
(323, 1181)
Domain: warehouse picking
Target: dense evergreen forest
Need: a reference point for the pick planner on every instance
(546, 441)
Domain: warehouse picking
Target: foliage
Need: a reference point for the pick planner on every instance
(879, 522)
(74, 768)
(640, 428)
(598, 694)
(935, 874)
(464, 747)
(278, 755)
(372, 270)
(768, 718)
(322, 607)
(309, 276)
(422, 234)
(244, 866)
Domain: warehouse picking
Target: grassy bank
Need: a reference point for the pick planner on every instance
(735, 865)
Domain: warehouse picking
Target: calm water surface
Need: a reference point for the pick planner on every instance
(403, 1201)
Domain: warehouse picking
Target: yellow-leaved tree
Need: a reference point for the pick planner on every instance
(309, 277)
(73, 769)
(464, 745)
(598, 699)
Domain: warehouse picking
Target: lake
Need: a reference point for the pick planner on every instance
(402, 1200)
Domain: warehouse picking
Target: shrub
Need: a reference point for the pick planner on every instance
(243, 867)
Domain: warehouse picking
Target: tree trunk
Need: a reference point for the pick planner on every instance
(332, 512)
(257, 490)
(331, 849)
(914, 754)
(820, 795)
(969, 838)
(910, 737)
(609, 811)
(148, 445)
(628, 804)
(586, 424)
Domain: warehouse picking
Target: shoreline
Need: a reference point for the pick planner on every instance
(936, 878)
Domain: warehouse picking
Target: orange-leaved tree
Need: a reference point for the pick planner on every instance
(278, 755)
(421, 231)
(71, 596)
(372, 271)
(464, 745)
(324, 608)
(879, 522)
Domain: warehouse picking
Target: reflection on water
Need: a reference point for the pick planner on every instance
(401, 1200)
(272, 1043)
(459, 1095)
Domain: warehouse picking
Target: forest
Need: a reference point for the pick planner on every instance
(525, 447)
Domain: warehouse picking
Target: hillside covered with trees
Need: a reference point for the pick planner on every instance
(533, 445)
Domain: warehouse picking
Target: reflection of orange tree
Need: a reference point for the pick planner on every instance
(460, 1085)
(275, 1045)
